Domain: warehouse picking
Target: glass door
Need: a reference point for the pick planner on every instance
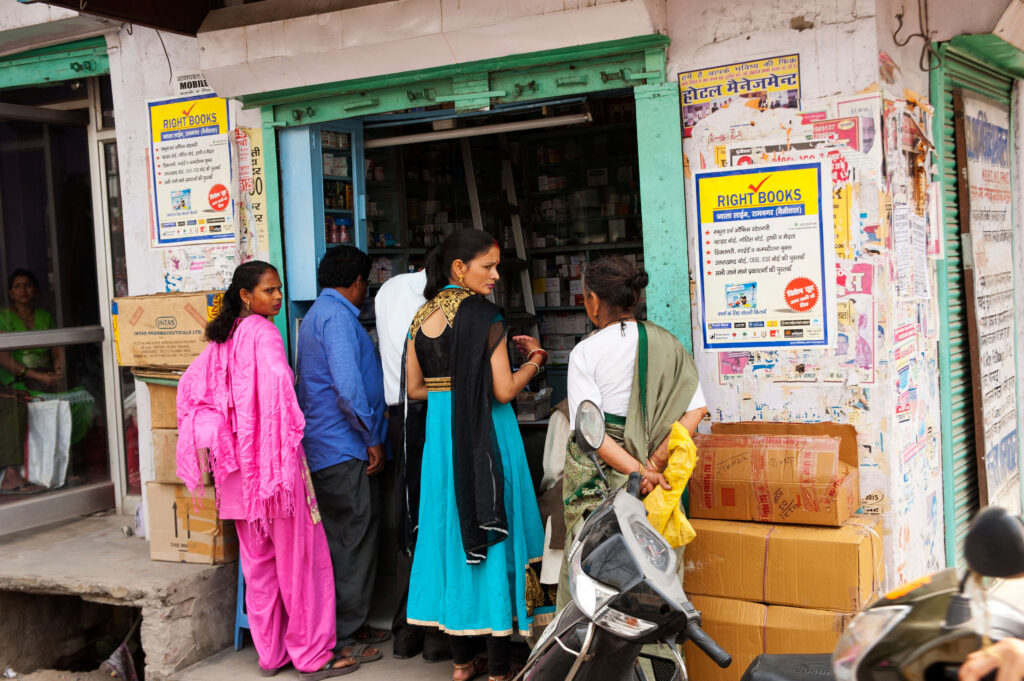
(57, 417)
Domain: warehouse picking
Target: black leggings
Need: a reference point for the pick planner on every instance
(499, 652)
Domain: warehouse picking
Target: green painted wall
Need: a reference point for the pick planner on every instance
(659, 143)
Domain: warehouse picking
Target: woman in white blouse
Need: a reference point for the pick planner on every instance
(640, 376)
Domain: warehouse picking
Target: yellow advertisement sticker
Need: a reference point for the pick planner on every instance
(774, 193)
(177, 120)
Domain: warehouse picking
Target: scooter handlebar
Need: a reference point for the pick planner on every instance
(700, 637)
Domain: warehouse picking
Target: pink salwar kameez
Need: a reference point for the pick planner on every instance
(236, 402)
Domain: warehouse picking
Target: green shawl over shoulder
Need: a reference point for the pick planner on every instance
(664, 381)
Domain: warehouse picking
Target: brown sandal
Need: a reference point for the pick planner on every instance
(477, 667)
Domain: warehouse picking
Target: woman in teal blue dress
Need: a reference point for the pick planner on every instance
(479, 541)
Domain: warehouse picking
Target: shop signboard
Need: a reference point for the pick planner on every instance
(985, 151)
(190, 164)
(766, 248)
(772, 83)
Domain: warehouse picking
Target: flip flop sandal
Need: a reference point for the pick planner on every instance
(357, 652)
(272, 672)
(329, 670)
(368, 635)
(478, 665)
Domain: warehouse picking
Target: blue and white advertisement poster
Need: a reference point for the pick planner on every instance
(767, 259)
(190, 164)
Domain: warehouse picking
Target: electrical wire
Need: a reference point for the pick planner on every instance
(924, 62)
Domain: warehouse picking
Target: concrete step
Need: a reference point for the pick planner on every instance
(187, 610)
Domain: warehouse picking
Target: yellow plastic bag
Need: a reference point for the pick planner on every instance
(662, 505)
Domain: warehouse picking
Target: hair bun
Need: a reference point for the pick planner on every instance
(640, 280)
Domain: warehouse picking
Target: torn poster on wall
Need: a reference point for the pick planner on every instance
(199, 268)
(254, 239)
(761, 84)
(767, 262)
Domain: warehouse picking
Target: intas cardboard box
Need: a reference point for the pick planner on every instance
(776, 472)
(162, 330)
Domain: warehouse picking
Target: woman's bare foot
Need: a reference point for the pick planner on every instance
(12, 479)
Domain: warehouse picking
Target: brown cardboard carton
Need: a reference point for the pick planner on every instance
(162, 330)
(746, 630)
(165, 458)
(183, 532)
(162, 405)
(781, 478)
(838, 568)
(737, 626)
(804, 630)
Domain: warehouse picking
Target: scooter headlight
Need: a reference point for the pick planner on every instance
(863, 633)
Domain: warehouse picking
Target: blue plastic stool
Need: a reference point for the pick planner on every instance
(241, 618)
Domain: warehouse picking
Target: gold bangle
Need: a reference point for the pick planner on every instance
(533, 364)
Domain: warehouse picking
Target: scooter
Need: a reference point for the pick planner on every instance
(625, 592)
(924, 630)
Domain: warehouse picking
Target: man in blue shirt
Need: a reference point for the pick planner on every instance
(341, 392)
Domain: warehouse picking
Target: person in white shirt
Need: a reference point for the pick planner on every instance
(643, 380)
(396, 304)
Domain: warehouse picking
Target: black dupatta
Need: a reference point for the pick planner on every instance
(476, 460)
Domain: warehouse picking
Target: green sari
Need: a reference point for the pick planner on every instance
(12, 415)
(31, 358)
(664, 382)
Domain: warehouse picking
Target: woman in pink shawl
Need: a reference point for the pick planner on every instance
(238, 417)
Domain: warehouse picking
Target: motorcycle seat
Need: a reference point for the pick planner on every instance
(790, 668)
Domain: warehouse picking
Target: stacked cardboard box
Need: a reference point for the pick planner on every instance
(187, 530)
(780, 564)
(181, 529)
(159, 336)
(162, 330)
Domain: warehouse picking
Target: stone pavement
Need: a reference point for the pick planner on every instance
(242, 666)
(187, 610)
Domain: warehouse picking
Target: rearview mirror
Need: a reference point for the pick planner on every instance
(589, 426)
(994, 546)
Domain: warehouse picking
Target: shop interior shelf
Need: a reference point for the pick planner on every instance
(341, 178)
(559, 308)
(344, 211)
(618, 245)
(347, 150)
(397, 250)
(592, 161)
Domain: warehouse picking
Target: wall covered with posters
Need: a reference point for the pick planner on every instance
(153, 267)
(877, 367)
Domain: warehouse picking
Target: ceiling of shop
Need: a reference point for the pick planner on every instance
(183, 16)
(186, 16)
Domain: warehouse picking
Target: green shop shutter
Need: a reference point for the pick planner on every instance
(959, 458)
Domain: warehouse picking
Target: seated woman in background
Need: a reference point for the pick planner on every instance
(31, 368)
(617, 367)
(22, 371)
(37, 373)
